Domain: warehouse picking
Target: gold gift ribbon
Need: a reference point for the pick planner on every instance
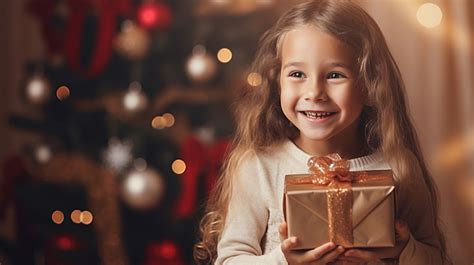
(333, 171)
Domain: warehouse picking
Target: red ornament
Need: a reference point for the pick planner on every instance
(201, 161)
(154, 15)
(65, 243)
(165, 252)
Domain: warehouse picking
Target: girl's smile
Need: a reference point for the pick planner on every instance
(318, 117)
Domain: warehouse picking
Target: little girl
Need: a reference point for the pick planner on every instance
(329, 85)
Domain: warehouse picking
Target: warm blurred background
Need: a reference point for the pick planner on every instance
(115, 118)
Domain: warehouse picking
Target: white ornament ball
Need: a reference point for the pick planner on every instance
(143, 190)
(201, 67)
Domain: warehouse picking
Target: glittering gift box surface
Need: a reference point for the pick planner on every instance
(373, 211)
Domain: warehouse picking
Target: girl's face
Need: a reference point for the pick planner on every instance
(318, 86)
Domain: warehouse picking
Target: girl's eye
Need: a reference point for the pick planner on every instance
(297, 74)
(335, 75)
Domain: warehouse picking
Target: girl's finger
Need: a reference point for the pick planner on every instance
(317, 253)
(331, 256)
(283, 230)
(288, 244)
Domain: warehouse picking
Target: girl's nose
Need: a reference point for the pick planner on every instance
(315, 92)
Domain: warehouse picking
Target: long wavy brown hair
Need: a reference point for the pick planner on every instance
(261, 124)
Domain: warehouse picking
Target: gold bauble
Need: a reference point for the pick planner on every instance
(132, 42)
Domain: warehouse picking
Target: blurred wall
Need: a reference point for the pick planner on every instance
(437, 65)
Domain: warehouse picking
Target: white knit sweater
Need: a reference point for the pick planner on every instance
(251, 234)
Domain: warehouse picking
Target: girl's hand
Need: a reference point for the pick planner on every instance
(360, 256)
(321, 255)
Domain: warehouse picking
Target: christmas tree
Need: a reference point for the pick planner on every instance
(132, 111)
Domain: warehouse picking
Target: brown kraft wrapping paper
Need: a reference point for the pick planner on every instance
(373, 211)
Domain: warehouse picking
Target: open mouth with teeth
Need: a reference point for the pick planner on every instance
(317, 114)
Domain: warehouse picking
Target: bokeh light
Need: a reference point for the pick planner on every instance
(76, 216)
(429, 15)
(57, 217)
(43, 153)
(158, 122)
(178, 166)
(168, 119)
(38, 89)
(86, 217)
(63, 92)
(254, 79)
(135, 100)
(224, 55)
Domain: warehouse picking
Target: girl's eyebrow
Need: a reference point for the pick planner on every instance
(293, 64)
(335, 64)
(339, 64)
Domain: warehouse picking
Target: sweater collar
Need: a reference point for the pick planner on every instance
(355, 163)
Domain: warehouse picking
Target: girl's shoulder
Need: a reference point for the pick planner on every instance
(264, 156)
(272, 160)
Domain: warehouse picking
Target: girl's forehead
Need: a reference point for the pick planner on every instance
(308, 42)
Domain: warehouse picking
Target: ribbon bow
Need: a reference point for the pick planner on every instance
(328, 168)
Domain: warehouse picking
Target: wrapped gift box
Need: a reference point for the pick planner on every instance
(372, 210)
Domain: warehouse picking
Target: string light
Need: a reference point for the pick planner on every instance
(76, 216)
(254, 79)
(57, 217)
(178, 166)
(429, 15)
(158, 122)
(86, 217)
(62, 92)
(224, 55)
(168, 119)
